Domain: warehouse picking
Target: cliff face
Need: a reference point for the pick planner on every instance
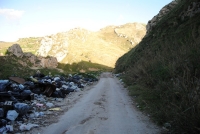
(192, 9)
(163, 70)
(103, 47)
(165, 10)
(55, 44)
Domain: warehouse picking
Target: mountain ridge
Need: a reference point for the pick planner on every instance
(79, 44)
(72, 51)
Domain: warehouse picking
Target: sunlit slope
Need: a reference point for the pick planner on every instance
(102, 47)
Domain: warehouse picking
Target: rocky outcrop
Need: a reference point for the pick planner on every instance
(134, 34)
(191, 10)
(16, 50)
(165, 10)
(36, 61)
(49, 62)
(46, 46)
(55, 46)
(45, 62)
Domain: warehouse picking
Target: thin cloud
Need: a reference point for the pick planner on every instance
(11, 13)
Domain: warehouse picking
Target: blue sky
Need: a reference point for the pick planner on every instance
(32, 18)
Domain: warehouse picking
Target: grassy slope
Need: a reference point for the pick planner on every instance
(30, 44)
(83, 66)
(11, 66)
(27, 44)
(102, 47)
(84, 52)
(163, 72)
(4, 47)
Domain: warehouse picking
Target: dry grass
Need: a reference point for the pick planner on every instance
(4, 47)
(162, 72)
(102, 47)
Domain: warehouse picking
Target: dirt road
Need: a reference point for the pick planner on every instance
(104, 109)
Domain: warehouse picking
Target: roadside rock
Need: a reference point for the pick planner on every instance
(16, 50)
(28, 54)
(37, 61)
(49, 62)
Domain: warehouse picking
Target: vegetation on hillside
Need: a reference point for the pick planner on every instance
(13, 66)
(83, 67)
(84, 45)
(21, 67)
(163, 71)
(4, 47)
(30, 44)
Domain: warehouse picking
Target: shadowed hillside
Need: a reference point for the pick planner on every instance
(12, 66)
(163, 71)
(83, 67)
(4, 46)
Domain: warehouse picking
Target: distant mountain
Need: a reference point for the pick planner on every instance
(76, 45)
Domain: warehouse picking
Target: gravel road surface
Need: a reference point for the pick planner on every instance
(104, 109)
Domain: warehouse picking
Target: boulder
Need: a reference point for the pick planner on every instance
(38, 61)
(45, 62)
(16, 50)
(28, 54)
(33, 59)
(49, 62)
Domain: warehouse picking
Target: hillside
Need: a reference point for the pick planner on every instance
(163, 71)
(4, 47)
(77, 50)
(76, 45)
